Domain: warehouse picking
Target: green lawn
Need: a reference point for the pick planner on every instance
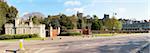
(104, 35)
(27, 39)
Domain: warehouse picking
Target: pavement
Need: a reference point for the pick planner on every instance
(127, 43)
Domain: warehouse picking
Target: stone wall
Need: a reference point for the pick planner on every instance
(30, 28)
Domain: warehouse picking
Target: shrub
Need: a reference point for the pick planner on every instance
(17, 36)
(70, 33)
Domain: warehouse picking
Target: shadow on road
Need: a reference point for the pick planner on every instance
(110, 48)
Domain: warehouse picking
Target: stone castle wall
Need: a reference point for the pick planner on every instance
(25, 29)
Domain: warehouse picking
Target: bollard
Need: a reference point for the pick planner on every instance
(21, 44)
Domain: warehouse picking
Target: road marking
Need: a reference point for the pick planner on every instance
(39, 50)
(140, 48)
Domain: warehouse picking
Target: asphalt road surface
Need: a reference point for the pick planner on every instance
(145, 49)
(115, 44)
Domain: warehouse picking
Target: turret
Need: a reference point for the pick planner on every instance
(30, 22)
(17, 22)
(79, 15)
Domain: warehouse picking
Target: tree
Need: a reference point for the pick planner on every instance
(11, 14)
(3, 11)
(7, 14)
(55, 21)
(116, 24)
(69, 22)
(113, 23)
(47, 21)
(81, 22)
(96, 24)
(35, 20)
(89, 22)
(73, 20)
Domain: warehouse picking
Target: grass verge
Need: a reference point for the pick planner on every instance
(27, 39)
(104, 35)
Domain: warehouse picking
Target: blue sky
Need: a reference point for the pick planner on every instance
(128, 9)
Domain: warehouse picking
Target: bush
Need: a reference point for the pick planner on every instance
(17, 36)
(69, 34)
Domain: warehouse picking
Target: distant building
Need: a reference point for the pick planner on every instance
(80, 20)
(106, 16)
(25, 28)
(135, 26)
(79, 15)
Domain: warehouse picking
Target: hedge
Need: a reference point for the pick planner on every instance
(69, 33)
(17, 36)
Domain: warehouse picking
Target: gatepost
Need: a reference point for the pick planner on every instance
(51, 32)
(58, 31)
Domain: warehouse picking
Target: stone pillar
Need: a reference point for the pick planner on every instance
(58, 31)
(51, 31)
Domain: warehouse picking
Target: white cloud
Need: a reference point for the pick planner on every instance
(74, 9)
(71, 11)
(72, 3)
(25, 13)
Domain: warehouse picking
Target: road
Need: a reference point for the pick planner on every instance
(116, 44)
(145, 49)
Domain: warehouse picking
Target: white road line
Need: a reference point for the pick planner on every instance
(39, 50)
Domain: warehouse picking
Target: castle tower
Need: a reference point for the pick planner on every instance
(17, 22)
(79, 15)
(106, 16)
(80, 18)
(30, 22)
